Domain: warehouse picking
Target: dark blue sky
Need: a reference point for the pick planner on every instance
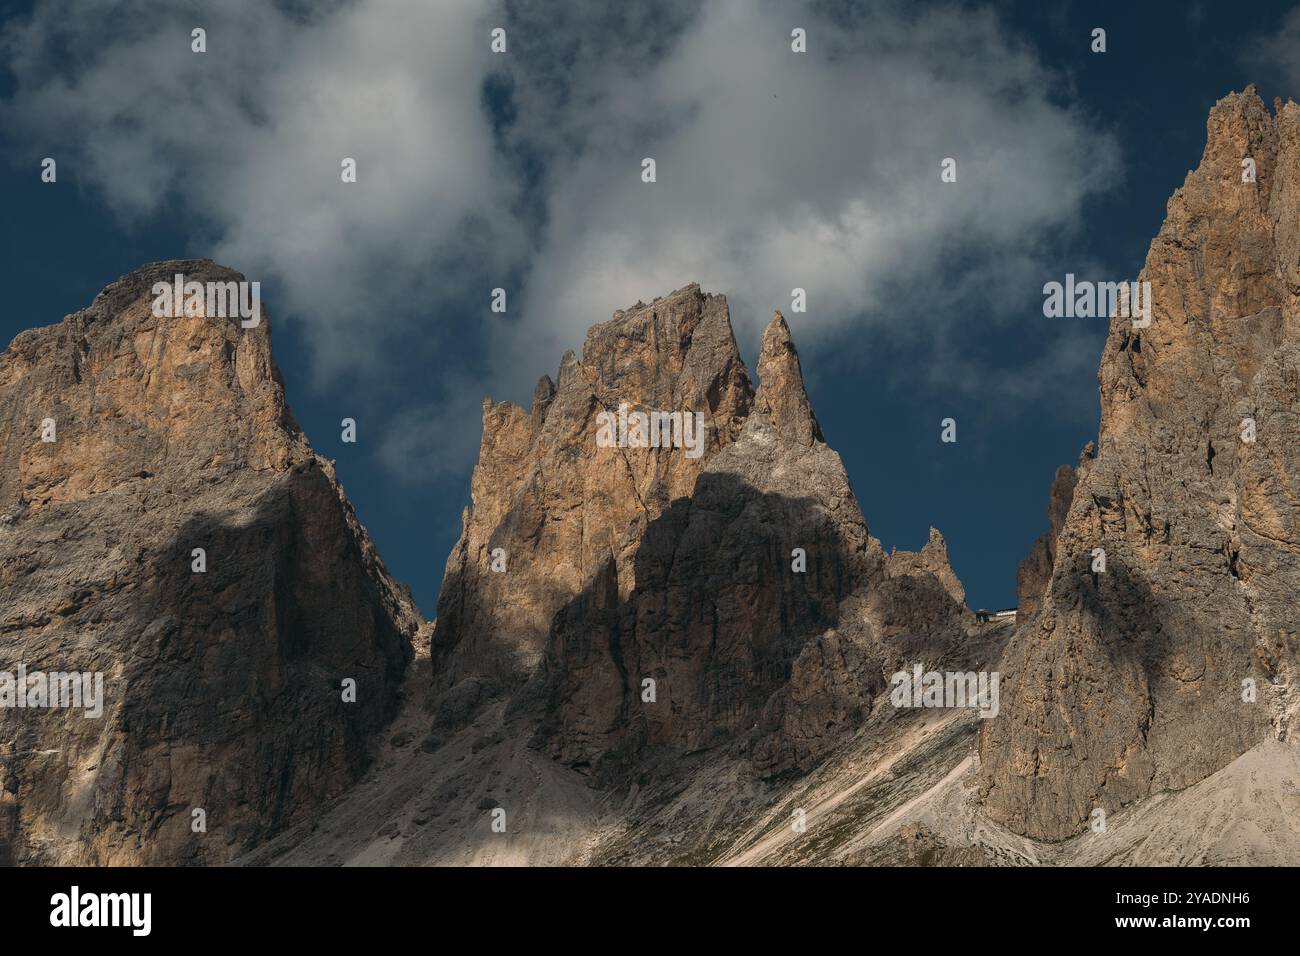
(880, 407)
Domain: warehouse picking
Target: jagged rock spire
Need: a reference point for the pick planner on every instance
(781, 393)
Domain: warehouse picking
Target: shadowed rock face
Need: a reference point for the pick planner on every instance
(557, 506)
(655, 605)
(222, 689)
(1035, 571)
(1131, 681)
(741, 585)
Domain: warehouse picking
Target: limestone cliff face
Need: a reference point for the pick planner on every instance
(1131, 680)
(656, 605)
(222, 689)
(557, 506)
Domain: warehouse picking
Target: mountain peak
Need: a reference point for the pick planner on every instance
(1169, 572)
(781, 394)
(169, 527)
(136, 380)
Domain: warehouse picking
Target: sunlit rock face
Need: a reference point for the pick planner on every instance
(223, 688)
(647, 603)
(1182, 654)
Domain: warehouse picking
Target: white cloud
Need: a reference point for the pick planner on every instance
(817, 170)
(776, 169)
(1276, 54)
(245, 142)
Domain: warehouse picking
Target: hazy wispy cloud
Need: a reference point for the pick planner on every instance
(1276, 54)
(243, 145)
(820, 170)
(775, 169)
(437, 434)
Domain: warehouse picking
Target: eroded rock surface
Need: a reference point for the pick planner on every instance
(657, 605)
(1121, 690)
(1131, 681)
(223, 689)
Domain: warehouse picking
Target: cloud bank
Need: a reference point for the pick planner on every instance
(775, 170)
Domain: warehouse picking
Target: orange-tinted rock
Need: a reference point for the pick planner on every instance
(223, 689)
(1132, 681)
(658, 605)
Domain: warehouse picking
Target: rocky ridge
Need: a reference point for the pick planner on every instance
(645, 656)
(1158, 690)
(669, 605)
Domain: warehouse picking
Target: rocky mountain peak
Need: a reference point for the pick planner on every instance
(1173, 574)
(931, 559)
(781, 393)
(554, 496)
(127, 391)
(715, 582)
(169, 528)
